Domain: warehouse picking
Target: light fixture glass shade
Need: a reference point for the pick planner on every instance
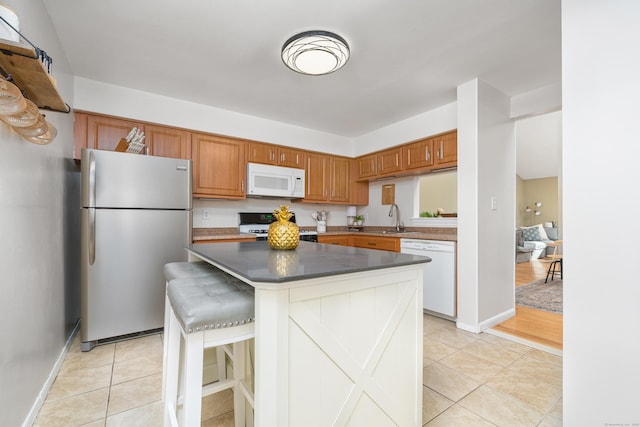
(315, 52)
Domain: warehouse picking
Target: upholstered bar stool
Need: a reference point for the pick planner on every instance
(211, 311)
(186, 270)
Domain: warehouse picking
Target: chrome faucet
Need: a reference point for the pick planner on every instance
(394, 208)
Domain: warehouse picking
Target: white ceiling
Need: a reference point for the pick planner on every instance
(408, 56)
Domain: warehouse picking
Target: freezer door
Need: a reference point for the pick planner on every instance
(124, 180)
(123, 289)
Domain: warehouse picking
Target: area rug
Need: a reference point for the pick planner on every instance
(541, 296)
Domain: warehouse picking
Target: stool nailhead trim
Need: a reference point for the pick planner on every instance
(221, 325)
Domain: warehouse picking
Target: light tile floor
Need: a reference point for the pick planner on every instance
(469, 380)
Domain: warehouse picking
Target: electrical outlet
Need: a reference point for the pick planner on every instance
(205, 214)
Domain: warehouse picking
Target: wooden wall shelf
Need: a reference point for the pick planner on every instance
(30, 75)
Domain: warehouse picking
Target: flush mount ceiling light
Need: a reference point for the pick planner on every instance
(315, 52)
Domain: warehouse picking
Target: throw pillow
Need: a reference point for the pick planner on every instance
(535, 233)
(531, 234)
(543, 233)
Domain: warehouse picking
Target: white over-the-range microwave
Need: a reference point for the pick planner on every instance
(274, 181)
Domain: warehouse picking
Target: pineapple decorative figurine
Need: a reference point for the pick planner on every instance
(283, 234)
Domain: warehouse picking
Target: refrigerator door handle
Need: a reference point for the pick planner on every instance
(92, 180)
(92, 235)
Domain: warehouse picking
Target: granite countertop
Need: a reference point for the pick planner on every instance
(256, 262)
(446, 234)
(199, 234)
(425, 235)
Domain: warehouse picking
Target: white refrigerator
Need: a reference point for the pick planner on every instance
(136, 217)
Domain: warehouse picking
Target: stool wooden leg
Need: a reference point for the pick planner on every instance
(239, 407)
(165, 341)
(221, 363)
(193, 356)
(171, 372)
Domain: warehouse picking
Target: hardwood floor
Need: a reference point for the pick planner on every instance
(534, 325)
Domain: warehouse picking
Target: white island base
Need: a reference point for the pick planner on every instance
(342, 350)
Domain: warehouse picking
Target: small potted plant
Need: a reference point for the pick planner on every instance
(359, 219)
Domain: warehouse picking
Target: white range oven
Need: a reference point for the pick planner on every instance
(258, 223)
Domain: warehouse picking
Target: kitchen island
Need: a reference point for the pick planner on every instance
(338, 333)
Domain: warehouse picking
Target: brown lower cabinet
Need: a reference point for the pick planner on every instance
(373, 242)
(370, 242)
(341, 240)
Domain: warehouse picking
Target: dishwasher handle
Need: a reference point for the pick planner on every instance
(427, 245)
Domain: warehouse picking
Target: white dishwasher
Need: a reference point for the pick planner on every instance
(439, 275)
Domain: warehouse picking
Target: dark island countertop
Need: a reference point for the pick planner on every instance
(256, 262)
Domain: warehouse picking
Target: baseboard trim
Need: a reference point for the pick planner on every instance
(487, 324)
(37, 405)
(497, 319)
(469, 328)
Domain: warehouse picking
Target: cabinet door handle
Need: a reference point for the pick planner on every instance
(282, 157)
(242, 186)
(441, 150)
(428, 157)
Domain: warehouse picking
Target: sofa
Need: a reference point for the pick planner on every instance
(531, 242)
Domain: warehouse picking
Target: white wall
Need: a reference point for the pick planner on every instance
(39, 209)
(99, 97)
(378, 214)
(601, 88)
(486, 170)
(432, 122)
(496, 180)
(468, 222)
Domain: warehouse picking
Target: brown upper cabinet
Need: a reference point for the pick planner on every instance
(414, 158)
(219, 166)
(339, 179)
(327, 179)
(104, 133)
(367, 166)
(316, 178)
(380, 164)
(418, 154)
(446, 148)
(390, 161)
(168, 142)
(275, 155)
